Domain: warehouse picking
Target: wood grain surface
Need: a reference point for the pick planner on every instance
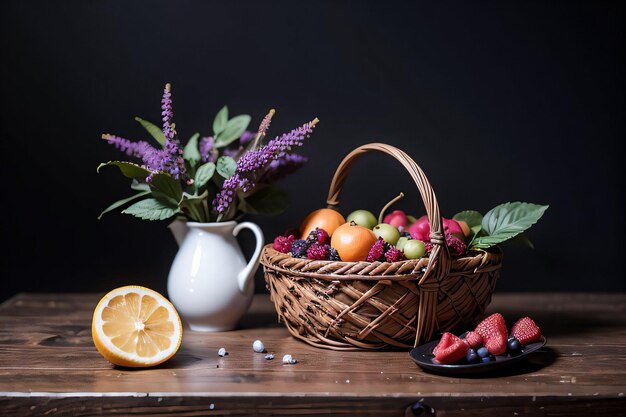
(49, 366)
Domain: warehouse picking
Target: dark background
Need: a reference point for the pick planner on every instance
(497, 101)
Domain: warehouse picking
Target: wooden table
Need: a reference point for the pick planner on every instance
(49, 366)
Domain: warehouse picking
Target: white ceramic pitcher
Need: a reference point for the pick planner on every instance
(210, 283)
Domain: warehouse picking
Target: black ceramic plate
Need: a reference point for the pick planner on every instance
(423, 356)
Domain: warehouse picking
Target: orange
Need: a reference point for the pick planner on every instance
(353, 242)
(324, 218)
(136, 326)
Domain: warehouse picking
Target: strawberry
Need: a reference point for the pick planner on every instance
(494, 333)
(474, 340)
(445, 342)
(526, 331)
(450, 349)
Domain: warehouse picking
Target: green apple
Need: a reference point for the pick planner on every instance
(362, 218)
(401, 242)
(414, 249)
(389, 233)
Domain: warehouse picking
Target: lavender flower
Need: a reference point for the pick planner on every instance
(280, 168)
(252, 165)
(276, 148)
(136, 149)
(206, 149)
(170, 158)
(265, 123)
(246, 137)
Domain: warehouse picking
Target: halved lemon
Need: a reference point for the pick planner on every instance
(136, 326)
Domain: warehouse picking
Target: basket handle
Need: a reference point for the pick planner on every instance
(439, 262)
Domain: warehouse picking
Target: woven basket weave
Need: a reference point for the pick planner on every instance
(373, 305)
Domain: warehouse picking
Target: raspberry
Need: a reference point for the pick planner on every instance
(283, 243)
(318, 252)
(318, 236)
(377, 251)
(526, 331)
(299, 248)
(494, 333)
(333, 255)
(455, 245)
(394, 254)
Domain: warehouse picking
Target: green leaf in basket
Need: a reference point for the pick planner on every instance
(128, 169)
(219, 123)
(472, 218)
(153, 129)
(505, 222)
(151, 209)
(233, 130)
(191, 152)
(267, 201)
(120, 203)
(226, 166)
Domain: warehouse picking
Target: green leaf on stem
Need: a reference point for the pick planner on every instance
(166, 188)
(204, 174)
(233, 130)
(220, 121)
(472, 218)
(151, 209)
(191, 152)
(153, 129)
(139, 186)
(226, 166)
(267, 201)
(507, 221)
(128, 169)
(193, 206)
(120, 203)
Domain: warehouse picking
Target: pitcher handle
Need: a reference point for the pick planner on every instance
(248, 272)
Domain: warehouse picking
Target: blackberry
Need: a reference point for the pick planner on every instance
(283, 243)
(333, 255)
(318, 252)
(319, 236)
(299, 248)
(377, 251)
(394, 254)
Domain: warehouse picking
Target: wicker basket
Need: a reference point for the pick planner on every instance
(373, 305)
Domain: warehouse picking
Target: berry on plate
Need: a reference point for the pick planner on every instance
(494, 333)
(474, 340)
(526, 331)
(450, 349)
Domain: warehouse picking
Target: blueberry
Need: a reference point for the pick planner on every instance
(471, 356)
(487, 359)
(514, 345)
(483, 352)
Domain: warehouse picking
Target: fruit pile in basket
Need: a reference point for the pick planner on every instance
(326, 235)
